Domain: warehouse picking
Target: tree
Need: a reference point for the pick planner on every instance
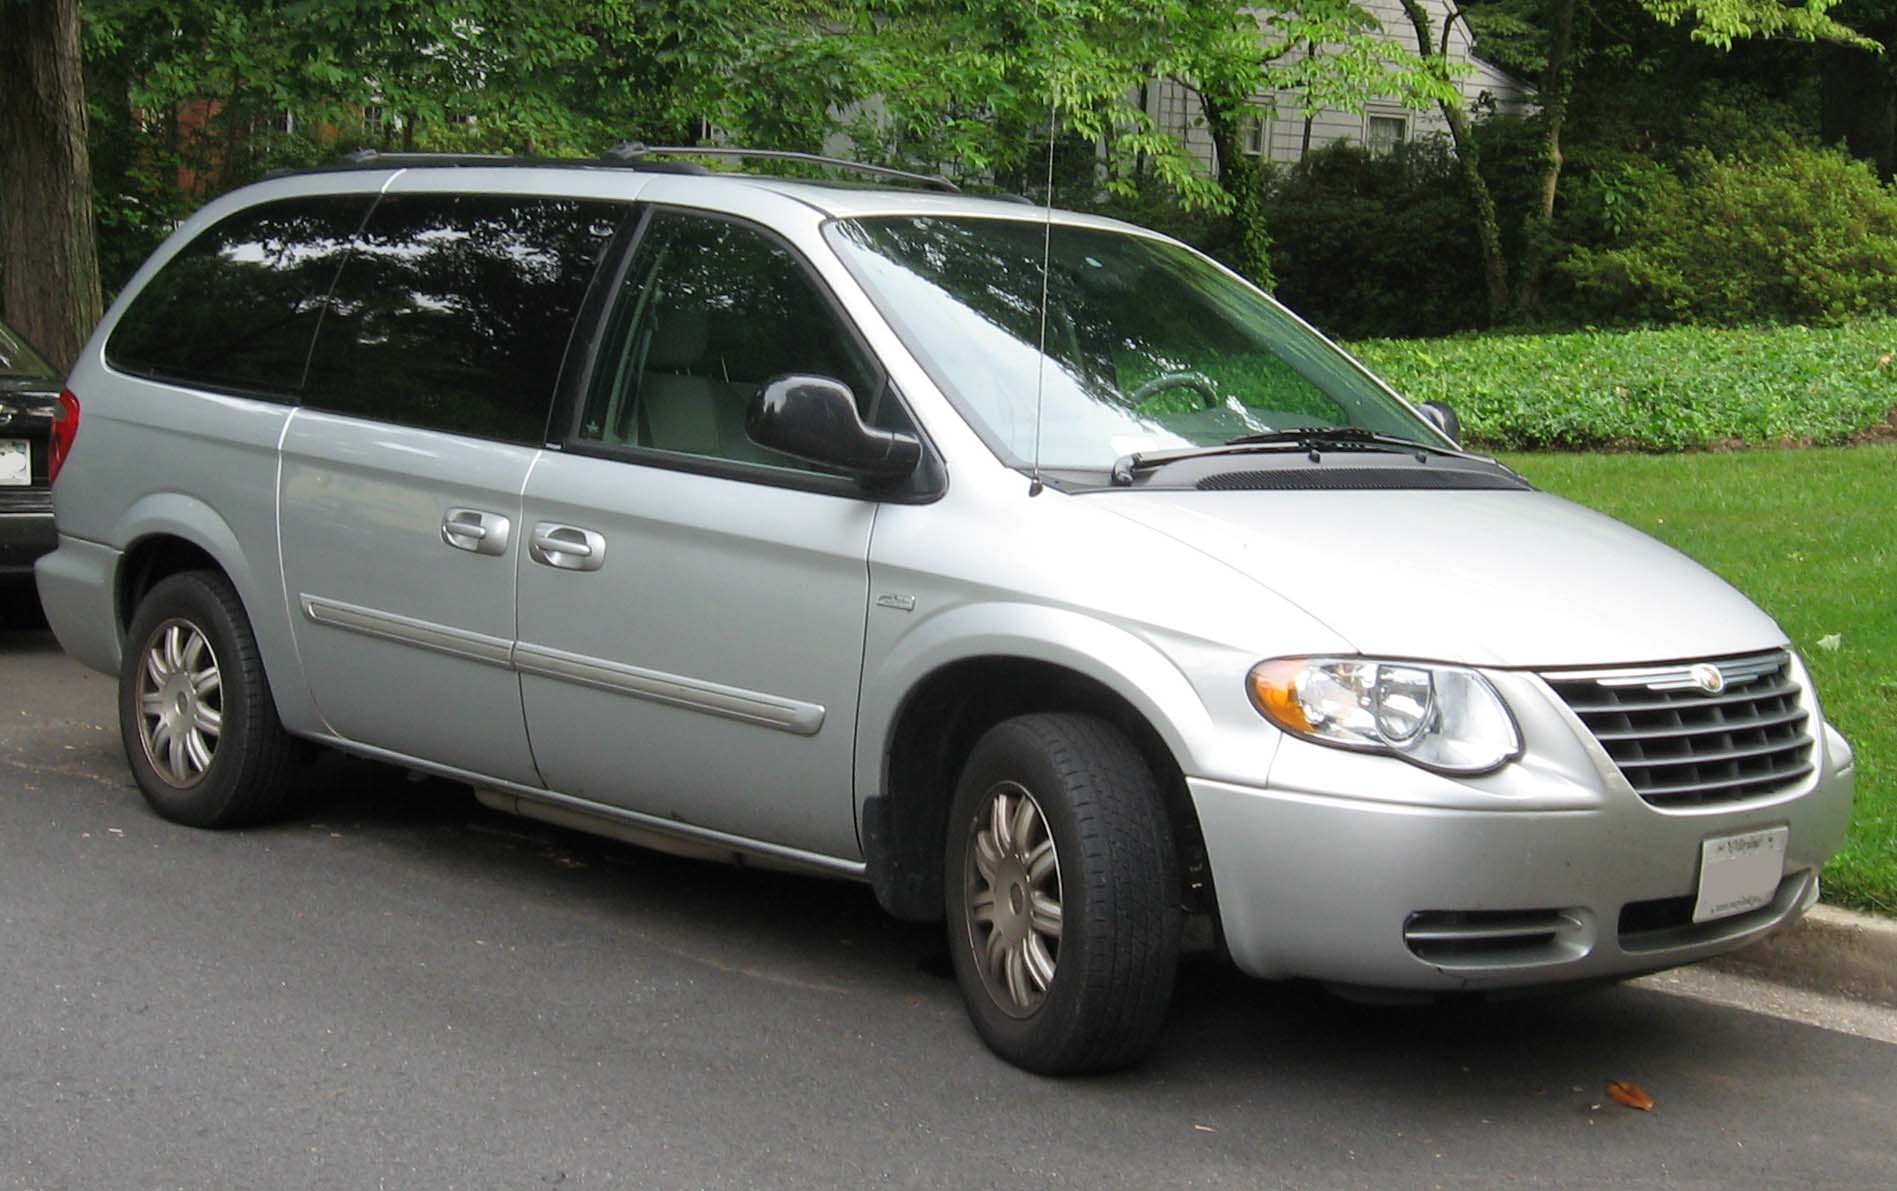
(1231, 54)
(1550, 26)
(977, 83)
(51, 285)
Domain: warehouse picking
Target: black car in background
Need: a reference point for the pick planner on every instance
(29, 402)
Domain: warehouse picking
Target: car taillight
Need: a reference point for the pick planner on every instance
(65, 429)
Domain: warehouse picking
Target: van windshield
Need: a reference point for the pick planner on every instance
(1149, 345)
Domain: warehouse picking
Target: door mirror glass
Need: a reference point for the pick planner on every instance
(1444, 419)
(814, 418)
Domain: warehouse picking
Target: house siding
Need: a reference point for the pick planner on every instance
(1175, 107)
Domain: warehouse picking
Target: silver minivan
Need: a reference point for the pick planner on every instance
(1029, 567)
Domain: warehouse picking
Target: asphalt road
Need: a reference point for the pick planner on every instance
(405, 990)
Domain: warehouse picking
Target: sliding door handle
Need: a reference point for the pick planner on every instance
(476, 531)
(567, 547)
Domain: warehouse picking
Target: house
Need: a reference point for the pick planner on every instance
(1277, 132)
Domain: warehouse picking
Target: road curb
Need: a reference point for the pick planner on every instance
(1833, 951)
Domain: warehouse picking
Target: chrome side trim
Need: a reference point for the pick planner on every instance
(580, 808)
(1679, 677)
(735, 703)
(406, 630)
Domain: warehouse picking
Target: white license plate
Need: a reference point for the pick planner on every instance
(16, 463)
(1740, 872)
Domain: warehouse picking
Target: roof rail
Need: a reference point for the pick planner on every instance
(634, 153)
(375, 157)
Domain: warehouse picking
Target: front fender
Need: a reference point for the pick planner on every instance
(1111, 655)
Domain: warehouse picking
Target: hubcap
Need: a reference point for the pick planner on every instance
(180, 703)
(1013, 895)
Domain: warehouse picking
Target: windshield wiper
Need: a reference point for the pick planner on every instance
(1315, 439)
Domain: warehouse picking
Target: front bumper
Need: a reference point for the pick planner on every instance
(1363, 870)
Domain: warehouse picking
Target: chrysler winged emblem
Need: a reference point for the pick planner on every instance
(1708, 678)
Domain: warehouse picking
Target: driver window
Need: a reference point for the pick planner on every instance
(712, 310)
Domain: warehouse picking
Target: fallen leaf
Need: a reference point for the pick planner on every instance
(1831, 642)
(1629, 1094)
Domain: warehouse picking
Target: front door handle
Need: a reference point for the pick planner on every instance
(567, 547)
(476, 531)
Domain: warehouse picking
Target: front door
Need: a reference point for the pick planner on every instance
(692, 606)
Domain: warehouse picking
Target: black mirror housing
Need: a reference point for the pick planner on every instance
(1444, 419)
(814, 418)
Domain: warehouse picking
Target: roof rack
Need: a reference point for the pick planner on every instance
(634, 153)
(636, 156)
(376, 157)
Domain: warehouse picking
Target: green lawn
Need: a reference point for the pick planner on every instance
(1811, 536)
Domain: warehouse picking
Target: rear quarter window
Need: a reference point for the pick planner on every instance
(238, 307)
(453, 312)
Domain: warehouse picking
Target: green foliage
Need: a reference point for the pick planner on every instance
(1808, 534)
(1720, 23)
(1654, 390)
(1788, 232)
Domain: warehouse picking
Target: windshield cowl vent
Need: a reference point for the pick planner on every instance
(1336, 479)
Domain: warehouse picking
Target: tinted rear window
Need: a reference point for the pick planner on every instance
(238, 306)
(453, 313)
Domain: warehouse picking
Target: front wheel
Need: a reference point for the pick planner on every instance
(1063, 895)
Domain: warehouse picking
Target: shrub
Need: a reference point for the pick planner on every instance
(1784, 232)
(1377, 245)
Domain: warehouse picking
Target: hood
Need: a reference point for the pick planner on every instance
(1488, 578)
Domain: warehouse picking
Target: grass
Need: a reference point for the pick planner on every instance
(1666, 389)
(1811, 536)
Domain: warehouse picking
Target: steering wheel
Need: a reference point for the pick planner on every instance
(1165, 381)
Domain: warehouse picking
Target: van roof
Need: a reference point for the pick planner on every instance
(879, 191)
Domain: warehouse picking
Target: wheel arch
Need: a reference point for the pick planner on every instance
(945, 699)
(169, 533)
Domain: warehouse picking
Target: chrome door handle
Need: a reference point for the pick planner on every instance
(476, 531)
(567, 547)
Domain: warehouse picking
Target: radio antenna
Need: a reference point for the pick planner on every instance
(1047, 242)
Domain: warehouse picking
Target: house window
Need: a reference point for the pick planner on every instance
(1257, 138)
(1382, 134)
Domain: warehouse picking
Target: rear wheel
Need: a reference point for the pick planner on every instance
(1062, 887)
(195, 712)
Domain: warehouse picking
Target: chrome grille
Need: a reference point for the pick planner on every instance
(1683, 737)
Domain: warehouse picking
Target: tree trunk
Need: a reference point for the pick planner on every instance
(50, 291)
(1310, 116)
(1860, 100)
(1488, 227)
(1557, 83)
(1241, 177)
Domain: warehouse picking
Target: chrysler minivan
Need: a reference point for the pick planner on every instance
(1029, 567)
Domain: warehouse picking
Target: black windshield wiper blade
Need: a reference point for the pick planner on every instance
(1350, 436)
(1305, 438)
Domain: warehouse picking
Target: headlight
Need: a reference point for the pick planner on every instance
(1440, 717)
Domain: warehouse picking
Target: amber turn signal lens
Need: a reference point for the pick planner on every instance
(1274, 691)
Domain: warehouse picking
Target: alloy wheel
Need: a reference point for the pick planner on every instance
(180, 703)
(1013, 897)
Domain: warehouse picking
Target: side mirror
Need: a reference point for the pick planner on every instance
(1444, 419)
(814, 418)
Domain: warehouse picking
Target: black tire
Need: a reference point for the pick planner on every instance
(252, 760)
(1117, 886)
